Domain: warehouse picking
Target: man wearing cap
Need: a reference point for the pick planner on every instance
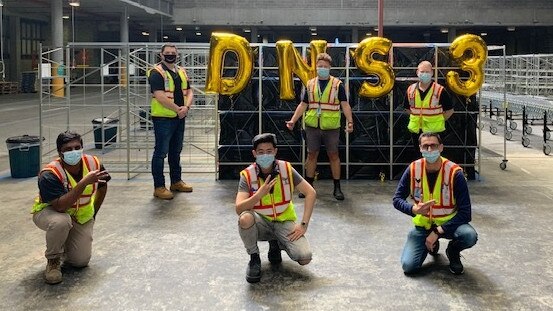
(72, 189)
(265, 208)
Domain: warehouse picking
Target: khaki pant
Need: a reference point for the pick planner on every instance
(65, 236)
(264, 230)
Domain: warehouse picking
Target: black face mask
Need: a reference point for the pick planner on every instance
(170, 59)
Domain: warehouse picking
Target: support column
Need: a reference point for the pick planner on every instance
(57, 42)
(14, 62)
(355, 34)
(253, 38)
(124, 29)
(451, 34)
(124, 38)
(153, 35)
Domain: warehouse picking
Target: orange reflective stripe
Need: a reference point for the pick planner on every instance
(426, 111)
(56, 172)
(332, 94)
(411, 91)
(438, 212)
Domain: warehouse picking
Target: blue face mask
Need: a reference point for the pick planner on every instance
(265, 160)
(425, 77)
(431, 156)
(72, 157)
(323, 72)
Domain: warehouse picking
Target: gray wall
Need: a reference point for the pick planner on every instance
(364, 12)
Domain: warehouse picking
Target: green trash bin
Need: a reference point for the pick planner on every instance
(24, 154)
(109, 132)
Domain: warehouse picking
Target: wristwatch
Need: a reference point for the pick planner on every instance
(303, 224)
(435, 230)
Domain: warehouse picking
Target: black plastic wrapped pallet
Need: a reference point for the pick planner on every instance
(275, 122)
(238, 127)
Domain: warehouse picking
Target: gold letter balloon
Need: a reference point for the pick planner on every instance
(365, 62)
(220, 44)
(290, 61)
(470, 52)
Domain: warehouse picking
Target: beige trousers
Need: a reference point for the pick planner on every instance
(65, 236)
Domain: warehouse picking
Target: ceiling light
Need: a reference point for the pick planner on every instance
(198, 33)
(444, 30)
(369, 34)
(75, 2)
(145, 33)
(375, 28)
(247, 30)
(313, 33)
(65, 17)
(165, 37)
(483, 34)
(1, 3)
(511, 28)
(179, 28)
(313, 29)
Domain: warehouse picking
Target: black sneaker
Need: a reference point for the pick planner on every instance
(274, 252)
(301, 195)
(253, 273)
(338, 194)
(454, 256)
(434, 251)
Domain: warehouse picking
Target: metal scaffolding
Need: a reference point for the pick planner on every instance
(106, 98)
(379, 147)
(526, 74)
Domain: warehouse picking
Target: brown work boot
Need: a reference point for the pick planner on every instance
(163, 193)
(53, 271)
(181, 186)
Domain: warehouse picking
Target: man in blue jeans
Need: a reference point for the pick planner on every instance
(171, 101)
(441, 207)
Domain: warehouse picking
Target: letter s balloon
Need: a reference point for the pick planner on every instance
(364, 59)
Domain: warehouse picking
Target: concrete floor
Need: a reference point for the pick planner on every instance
(186, 254)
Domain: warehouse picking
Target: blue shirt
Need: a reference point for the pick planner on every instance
(460, 192)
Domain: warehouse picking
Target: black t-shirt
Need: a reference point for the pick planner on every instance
(445, 99)
(432, 177)
(342, 97)
(157, 83)
(51, 188)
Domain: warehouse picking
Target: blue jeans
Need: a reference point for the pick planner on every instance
(414, 251)
(169, 134)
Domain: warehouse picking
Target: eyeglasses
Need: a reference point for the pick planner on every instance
(431, 146)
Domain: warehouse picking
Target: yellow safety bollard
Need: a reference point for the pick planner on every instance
(58, 88)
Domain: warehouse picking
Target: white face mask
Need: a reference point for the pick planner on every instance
(72, 157)
(265, 160)
(425, 77)
(323, 72)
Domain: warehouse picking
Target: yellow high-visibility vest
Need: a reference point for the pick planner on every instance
(445, 208)
(275, 206)
(157, 109)
(426, 114)
(83, 209)
(324, 107)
